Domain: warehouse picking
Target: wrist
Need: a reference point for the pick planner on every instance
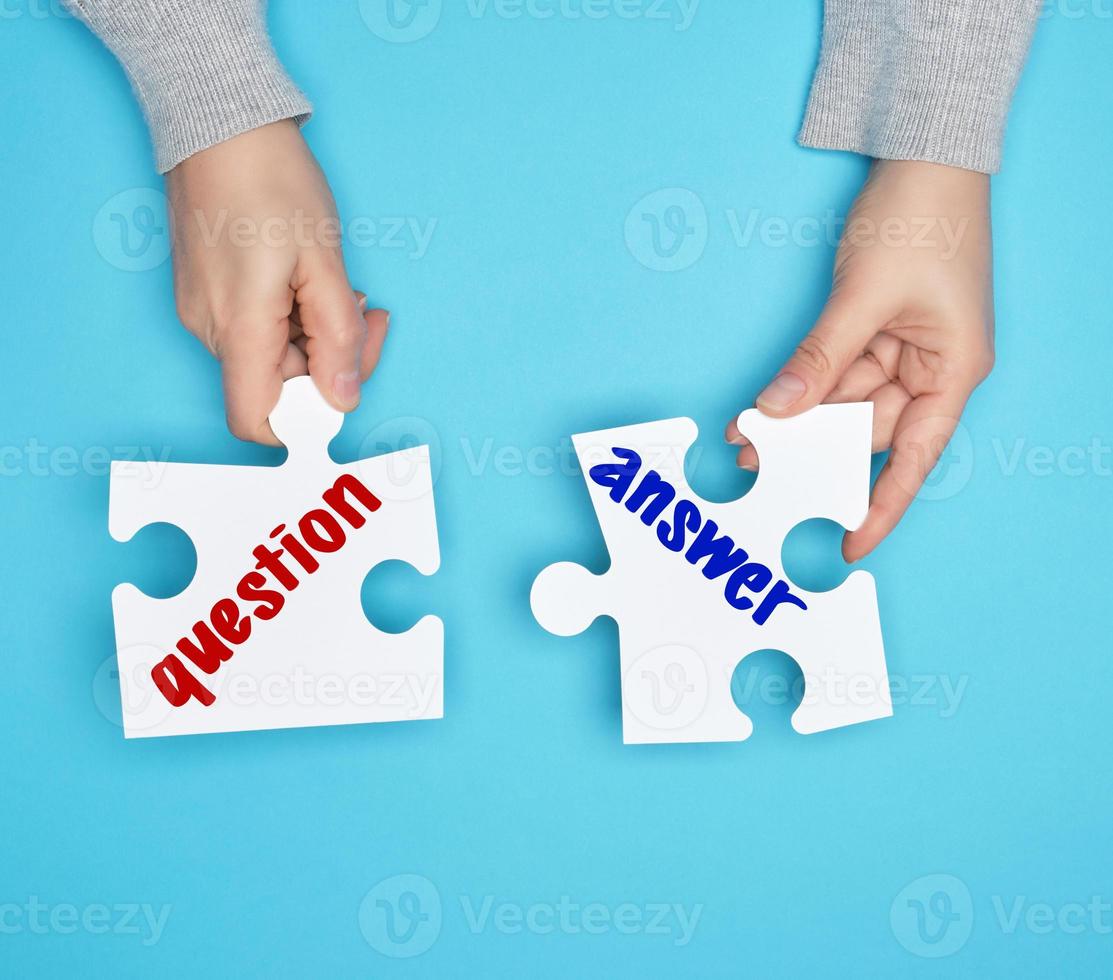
(248, 151)
(934, 181)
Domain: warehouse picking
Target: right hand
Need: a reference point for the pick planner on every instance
(259, 275)
(908, 327)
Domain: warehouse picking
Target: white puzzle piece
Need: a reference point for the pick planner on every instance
(695, 586)
(282, 553)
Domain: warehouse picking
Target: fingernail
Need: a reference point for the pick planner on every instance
(346, 388)
(749, 467)
(783, 391)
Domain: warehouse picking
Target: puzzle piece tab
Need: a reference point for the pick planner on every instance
(695, 587)
(270, 632)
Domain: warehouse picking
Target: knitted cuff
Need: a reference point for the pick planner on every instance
(926, 80)
(203, 71)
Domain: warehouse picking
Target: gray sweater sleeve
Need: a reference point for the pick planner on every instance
(204, 70)
(919, 79)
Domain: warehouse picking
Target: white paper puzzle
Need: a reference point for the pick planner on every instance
(270, 633)
(695, 586)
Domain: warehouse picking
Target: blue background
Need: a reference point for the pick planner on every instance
(531, 317)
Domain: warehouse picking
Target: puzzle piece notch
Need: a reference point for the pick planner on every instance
(819, 469)
(321, 631)
(823, 470)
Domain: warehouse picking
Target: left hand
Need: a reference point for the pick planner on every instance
(259, 275)
(908, 326)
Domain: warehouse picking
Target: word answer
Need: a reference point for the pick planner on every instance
(653, 495)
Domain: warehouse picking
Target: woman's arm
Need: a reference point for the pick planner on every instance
(258, 265)
(924, 86)
(927, 80)
(204, 71)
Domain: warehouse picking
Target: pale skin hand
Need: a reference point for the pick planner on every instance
(259, 275)
(908, 326)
